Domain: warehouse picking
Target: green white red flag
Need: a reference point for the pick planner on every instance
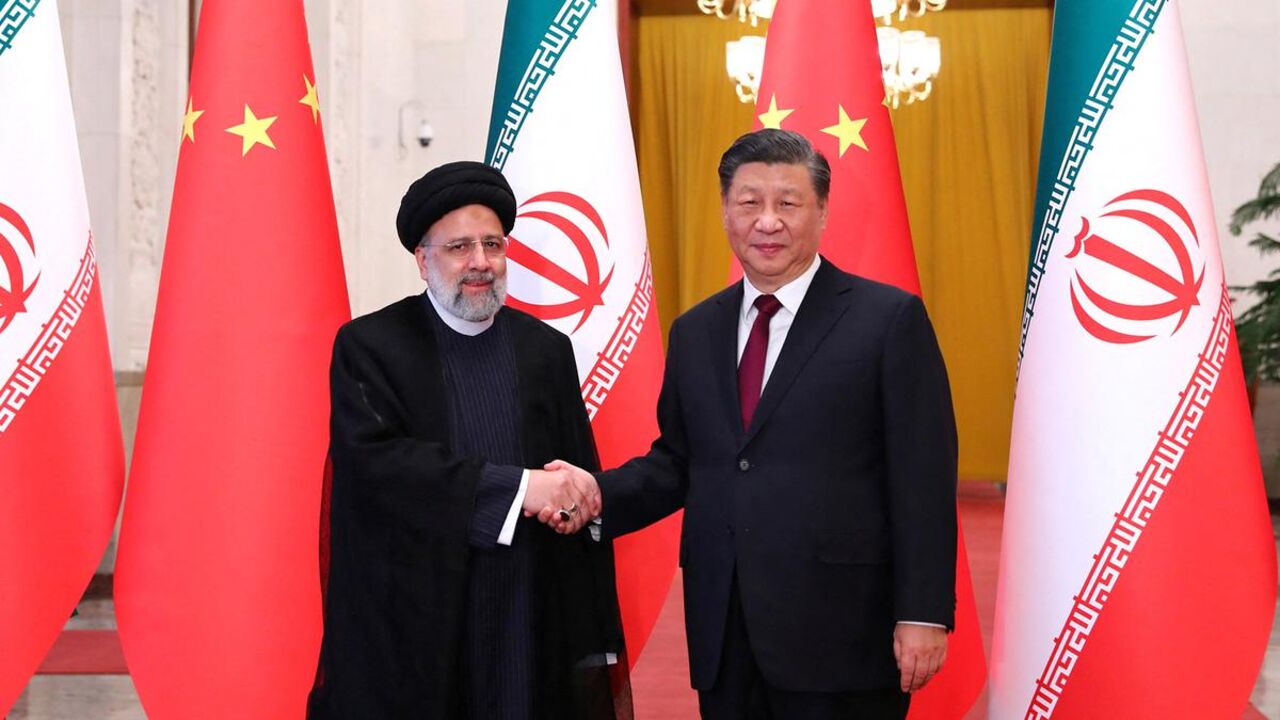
(61, 455)
(1138, 569)
(579, 256)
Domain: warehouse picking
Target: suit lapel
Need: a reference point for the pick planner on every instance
(821, 308)
(724, 348)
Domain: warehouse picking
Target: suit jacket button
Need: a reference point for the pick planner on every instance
(744, 465)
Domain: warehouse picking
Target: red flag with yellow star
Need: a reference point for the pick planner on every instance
(836, 99)
(217, 582)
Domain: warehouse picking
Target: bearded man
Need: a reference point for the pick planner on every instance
(446, 597)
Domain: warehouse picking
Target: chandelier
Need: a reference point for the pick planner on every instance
(909, 59)
(885, 10)
(744, 59)
(745, 10)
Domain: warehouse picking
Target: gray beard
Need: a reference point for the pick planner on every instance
(472, 309)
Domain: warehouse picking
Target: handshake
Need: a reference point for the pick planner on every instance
(562, 496)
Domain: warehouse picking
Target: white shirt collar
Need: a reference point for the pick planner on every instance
(790, 295)
(457, 324)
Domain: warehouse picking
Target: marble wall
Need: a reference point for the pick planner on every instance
(382, 69)
(1234, 55)
(127, 62)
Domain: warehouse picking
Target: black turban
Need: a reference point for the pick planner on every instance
(447, 188)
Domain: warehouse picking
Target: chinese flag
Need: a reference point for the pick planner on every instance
(835, 98)
(217, 579)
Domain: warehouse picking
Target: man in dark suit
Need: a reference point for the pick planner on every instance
(445, 600)
(807, 431)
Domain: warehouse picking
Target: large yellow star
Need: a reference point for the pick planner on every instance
(773, 117)
(189, 122)
(311, 100)
(848, 131)
(253, 130)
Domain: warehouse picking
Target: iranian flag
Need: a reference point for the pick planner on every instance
(61, 457)
(836, 99)
(579, 256)
(1138, 569)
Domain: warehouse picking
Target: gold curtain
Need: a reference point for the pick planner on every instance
(968, 157)
(686, 114)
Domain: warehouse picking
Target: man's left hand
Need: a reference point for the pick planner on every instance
(920, 651)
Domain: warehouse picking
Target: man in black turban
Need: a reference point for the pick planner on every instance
(448, 188)
(446, 597)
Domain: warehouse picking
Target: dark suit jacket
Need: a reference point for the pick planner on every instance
(836, 508)
(401, 510)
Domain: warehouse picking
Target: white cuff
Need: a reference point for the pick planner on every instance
(900, 622)
(509, 527)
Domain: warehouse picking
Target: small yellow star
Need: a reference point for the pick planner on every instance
(311, 100)
(189, 122)
(774, 117)
(253, 130)
(848, 131)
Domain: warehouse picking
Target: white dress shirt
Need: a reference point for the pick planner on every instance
(790, 295)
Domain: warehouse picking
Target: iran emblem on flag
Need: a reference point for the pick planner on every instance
(1138, 569)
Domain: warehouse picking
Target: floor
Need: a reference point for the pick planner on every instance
(660, 695)
(659, 681)
(81, 697)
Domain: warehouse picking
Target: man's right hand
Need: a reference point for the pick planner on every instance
(551, 491)
(586, 482)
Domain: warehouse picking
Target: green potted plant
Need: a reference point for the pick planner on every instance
(1258, 328)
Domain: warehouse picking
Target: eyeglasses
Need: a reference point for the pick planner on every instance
(458, 249)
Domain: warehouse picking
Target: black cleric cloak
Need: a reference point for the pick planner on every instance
(400, 511)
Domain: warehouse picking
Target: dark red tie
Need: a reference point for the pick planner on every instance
(751, 367)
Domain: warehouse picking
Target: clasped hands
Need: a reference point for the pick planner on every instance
(562, 496)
